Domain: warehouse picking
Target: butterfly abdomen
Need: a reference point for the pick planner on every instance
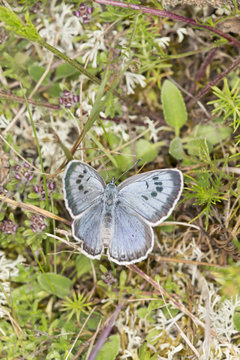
(110, 200)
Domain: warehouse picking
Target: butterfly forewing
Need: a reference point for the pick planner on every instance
(132, 237)
(82, 186)
(153, 195)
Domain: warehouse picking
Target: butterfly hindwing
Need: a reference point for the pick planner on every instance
(153, 195)
(82, 186)
(86, 228)
(132, 238)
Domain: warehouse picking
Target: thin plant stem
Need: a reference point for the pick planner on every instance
(19, 99)
(214, 82)
(43, 176)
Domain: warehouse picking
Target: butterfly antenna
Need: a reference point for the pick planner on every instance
(136, 162)
(104, 165)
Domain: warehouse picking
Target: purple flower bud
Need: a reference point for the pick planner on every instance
(26, 165)
(82, 7)
(14, 228)
(36, 188)
(90, 10)
(75, 98)
(51, 186)
(85, 19)
(33, 227)
(16, 167)
(77, 13)
(42, 226)
(68, 105)
(66, 93)
(18, 177)
(3, 227)
(30, 177)
(60, 100)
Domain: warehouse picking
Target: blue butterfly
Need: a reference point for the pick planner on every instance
(119, 218)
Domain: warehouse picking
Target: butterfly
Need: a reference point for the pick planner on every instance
(119, 218)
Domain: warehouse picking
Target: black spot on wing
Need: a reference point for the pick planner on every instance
(144, 197)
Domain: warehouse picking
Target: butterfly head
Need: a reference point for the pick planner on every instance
(112, 182)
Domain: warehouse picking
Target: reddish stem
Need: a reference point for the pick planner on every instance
(214, 82)
(201, 72)
(164, 13)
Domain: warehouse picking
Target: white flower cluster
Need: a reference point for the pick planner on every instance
(221, 320)
(8, 270)
(3, 122)
(127, 324)
(64, 25)
(93, 45)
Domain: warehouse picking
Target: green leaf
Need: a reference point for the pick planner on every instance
(33, 196)
(195, 145)
(213, 134)
(13, 23)
(83, 265)
(65, 70)
(9, 18)
(142, 312)
(153, 336)
(176, 149)
(236, 319)
(110, 349)
(144, 150)
(36, 71)
(54, 91)
(98, 105)
(123, 279)
(55, 284)
(145, 354)
(174, 108)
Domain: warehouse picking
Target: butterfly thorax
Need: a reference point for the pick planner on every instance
(110, 200)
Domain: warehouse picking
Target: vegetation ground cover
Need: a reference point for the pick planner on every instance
(108, 82)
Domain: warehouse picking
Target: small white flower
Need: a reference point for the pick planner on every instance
(222, 11)
(132, 80)
(8, 270)
(3, 122)
(174, 351)
(65, 25)
(94, 44)
(163, 42)
(181, 32)
(152, 129)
